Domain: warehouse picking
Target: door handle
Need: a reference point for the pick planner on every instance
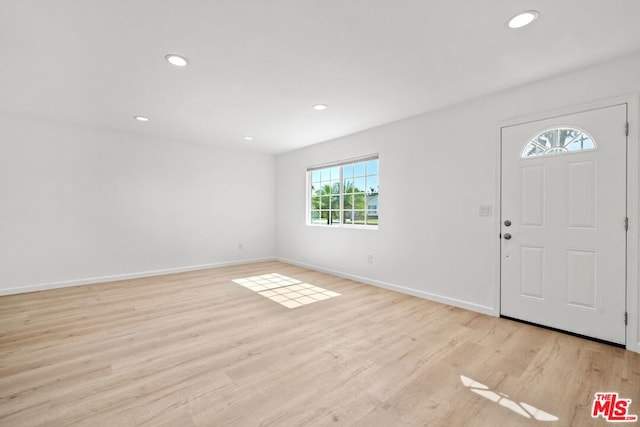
(507, 236)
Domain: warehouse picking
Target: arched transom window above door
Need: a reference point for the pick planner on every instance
(558, 140)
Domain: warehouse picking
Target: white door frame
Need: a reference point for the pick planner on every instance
(633, 202)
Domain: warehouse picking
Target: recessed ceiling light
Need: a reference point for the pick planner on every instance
(523, 19)
(141, 118)
(248, 138)
(319, 107)
(177, 60)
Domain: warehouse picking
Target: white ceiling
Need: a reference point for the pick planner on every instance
(258, 66)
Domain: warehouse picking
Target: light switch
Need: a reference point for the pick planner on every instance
(485, 210)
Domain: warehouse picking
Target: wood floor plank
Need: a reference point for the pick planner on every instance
(197, 349)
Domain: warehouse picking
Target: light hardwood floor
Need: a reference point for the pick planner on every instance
(196, 349)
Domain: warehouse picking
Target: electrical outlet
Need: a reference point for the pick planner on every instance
(370, 259)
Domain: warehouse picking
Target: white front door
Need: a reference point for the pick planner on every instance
(563, 250)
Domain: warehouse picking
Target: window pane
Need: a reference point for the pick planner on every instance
(324, 202)
(347, 171)
(359, 201)
(359, 169)
(335, 187)
(372, 205)
(565, 136)
(582, 142)
(325, 174)
(335, 202)
(335, 173)
(358, 217)
(315, 176)
(325, 188)
(546, 139)
(372, 184)
(372, 219)
(348, 217)
(359, 185)
(315, 202)
(348, 186)
(372, 167)
(335, 217)
(347, 202)
(532, 150)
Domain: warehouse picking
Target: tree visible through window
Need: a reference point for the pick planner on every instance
(558, 140)
(344, 193)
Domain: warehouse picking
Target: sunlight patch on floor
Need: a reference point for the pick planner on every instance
(284, 290)
(522, 408)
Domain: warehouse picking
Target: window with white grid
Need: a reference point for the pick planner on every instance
(344, 193)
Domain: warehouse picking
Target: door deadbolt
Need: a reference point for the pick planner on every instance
(507, 223)
(507, 236)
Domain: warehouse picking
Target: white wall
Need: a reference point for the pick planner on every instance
(81, 205)
(435, 171)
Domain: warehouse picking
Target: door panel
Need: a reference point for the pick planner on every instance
(532, 272)
(564, 264)
(581, 278)
(582, 195)
(532, 195)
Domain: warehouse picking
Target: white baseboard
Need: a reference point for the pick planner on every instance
(402, 289)
(127, 276)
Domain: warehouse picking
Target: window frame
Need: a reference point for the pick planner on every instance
(341, 194)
